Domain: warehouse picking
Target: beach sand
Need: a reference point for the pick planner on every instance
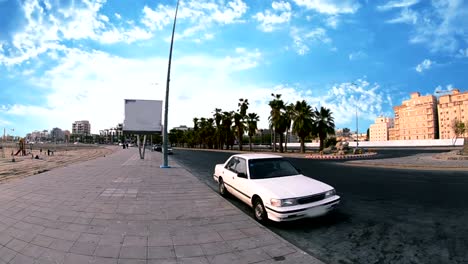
(25, 166)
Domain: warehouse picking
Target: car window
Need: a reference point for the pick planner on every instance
(231, 165)
(241, 166)
(271, 168)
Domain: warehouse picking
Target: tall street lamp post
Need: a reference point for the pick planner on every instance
(166, 105)
(357, 129)
(357, 125)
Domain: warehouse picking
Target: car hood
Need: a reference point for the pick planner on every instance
(292, 186)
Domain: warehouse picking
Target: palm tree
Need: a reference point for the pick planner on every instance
(226, 133)
(303, 117)
(218, 116)
(252, 119)
(195, 123)
(195, 137)
(289, 114)
(243, 106)
(239, 127)
(239, 123)
(277, 119)
(324, 124)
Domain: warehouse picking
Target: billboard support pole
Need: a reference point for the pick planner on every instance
(166, 105)
(141, 145)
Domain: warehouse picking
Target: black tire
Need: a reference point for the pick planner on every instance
(260, 213)
(222, 188)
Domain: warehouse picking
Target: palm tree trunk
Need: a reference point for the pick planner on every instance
(239, 135)
(250, 143)
(274, 140)
(302, 145)
(281, 142)
(286, 141)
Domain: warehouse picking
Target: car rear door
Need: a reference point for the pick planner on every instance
(242, 182)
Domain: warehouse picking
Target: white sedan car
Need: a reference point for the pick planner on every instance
(274, 187)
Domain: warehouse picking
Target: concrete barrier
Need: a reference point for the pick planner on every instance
(396, 143)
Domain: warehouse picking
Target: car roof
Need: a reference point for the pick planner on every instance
(252, 156)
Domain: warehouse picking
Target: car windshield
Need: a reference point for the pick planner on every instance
(271, 168)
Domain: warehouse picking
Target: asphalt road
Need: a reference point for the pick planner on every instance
(386, 215)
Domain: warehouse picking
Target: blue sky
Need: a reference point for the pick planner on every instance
(62, 61)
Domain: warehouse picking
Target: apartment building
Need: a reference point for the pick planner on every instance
(379, 131)
(452, 107)
(81, 127)
(416, 118)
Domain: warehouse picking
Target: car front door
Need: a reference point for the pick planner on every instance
(229, 173)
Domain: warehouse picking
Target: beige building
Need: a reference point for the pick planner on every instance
(380, 130)
(416, 118)
(452, 107)
(81, 127)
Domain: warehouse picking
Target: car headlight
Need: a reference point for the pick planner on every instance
(330, 193)
(283, 202)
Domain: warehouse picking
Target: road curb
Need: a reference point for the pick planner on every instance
(340, 157)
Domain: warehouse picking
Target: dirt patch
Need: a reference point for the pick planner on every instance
(36, 162)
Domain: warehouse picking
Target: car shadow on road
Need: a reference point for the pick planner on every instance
(331, 219)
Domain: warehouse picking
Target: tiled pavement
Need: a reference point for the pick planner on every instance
(120, 209)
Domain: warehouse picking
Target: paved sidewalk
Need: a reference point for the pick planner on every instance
(120, 209)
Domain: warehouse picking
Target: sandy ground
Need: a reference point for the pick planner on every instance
(25, 166)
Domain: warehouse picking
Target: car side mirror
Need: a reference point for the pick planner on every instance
(242, 175)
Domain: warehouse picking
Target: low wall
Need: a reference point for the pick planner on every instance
(396, 143)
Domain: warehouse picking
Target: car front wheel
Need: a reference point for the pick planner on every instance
(259, 211)
(222, 188)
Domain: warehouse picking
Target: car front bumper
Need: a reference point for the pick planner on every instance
(280, 214)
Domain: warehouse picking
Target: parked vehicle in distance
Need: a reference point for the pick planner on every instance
(157, 147)
(169, 150)
(274, 188)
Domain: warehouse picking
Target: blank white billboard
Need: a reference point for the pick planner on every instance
(143, 116)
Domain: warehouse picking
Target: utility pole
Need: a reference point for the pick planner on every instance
(166, 105)
(357, 129)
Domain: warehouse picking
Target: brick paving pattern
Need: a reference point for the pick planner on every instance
(120, 209)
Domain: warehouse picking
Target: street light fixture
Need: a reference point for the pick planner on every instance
(166, 105)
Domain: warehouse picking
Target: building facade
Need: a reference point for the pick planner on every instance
(451, 108)
(416, 118)
(57, 134)
(81, 127)
(379, 131)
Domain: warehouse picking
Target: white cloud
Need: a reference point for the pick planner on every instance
(441, 24)
(345, 98)
(201, 16)
(443, 28)
(440, 91)
(406, 16)
(93, 85)
(157, 19)
(4, 123)
(271, 19)
(47, 26)
(117, 15)
(303, 39)
(357, 55)
(332, 21)
(397, 4)
(461, 53)
(424, 65)
(330, 7)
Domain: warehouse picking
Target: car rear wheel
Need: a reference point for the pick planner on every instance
(259, 211)
(222, 188)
